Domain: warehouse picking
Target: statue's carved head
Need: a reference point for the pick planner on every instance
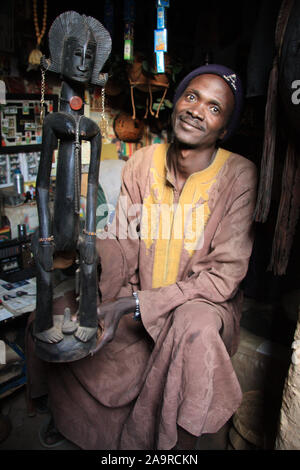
(79, 47)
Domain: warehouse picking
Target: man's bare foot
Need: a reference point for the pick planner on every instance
(69, 326)
(85, 333)
(52, 335)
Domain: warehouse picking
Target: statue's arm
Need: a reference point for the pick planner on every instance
(91, 203)
(49, 144)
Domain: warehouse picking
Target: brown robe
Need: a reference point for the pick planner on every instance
(172, 368)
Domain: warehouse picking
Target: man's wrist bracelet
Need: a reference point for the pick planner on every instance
(137, 313)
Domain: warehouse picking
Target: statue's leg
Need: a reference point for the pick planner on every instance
(88, 322)
(44, 330)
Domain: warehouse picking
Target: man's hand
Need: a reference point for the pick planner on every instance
(109, 315)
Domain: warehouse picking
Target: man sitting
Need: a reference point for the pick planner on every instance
(173, 259)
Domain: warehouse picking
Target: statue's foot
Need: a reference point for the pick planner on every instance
(85, 333)
(52, 335)
(69, 326)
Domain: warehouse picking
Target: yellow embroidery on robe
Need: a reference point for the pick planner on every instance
(175, 227)
(160, 195)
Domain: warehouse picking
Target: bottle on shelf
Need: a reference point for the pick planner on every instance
(19, 182)
(19, 185)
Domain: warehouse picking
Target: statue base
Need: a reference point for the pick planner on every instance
(69, 349)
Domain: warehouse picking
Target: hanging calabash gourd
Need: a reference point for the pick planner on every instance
(146, 81)
(127, 128)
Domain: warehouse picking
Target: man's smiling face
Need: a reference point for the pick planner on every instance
(203, 111)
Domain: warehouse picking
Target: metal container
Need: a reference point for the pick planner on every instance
(19, 182)
(22, 231)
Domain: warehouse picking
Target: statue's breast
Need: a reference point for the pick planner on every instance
(65, 126)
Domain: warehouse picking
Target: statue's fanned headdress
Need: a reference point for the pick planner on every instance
(72, 24)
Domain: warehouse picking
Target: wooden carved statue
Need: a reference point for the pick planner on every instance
(79, 46)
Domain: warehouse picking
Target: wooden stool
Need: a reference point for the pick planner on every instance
(247, 431)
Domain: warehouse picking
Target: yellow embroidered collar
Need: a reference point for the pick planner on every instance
(176, 227)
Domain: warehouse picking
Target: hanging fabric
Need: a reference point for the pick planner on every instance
(268, 156)
(288, 212)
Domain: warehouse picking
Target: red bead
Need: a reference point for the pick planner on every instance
(76, 103)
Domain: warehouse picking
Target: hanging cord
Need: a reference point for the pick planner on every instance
(161, 102)
(35, 55)
(39, 34)
(147, 106)
(43, 80)
(103, 121)
(132, 102)
(150, 102)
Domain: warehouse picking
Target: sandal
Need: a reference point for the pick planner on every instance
(49, 436)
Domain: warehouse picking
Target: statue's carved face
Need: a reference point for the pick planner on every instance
(78, 59)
